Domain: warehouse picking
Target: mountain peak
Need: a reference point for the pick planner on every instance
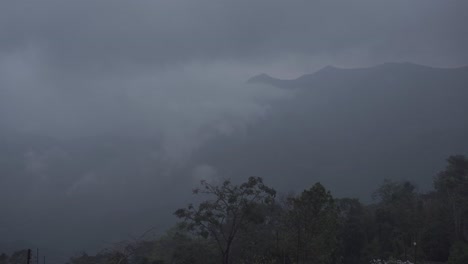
(326, 70)
(261, 78)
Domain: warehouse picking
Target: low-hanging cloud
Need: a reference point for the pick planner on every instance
(174, 105)
(68, 67)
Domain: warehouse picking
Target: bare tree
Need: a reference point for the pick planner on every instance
(233, 207)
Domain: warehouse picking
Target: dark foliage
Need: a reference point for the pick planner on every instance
(246, 223)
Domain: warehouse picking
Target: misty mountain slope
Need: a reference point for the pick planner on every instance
(350, 128)
(102, 163)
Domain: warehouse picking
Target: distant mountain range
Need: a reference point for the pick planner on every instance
(351, 128)
(314, 79)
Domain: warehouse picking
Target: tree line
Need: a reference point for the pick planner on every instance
(251, 223)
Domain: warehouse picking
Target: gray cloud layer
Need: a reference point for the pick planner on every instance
(96, 36)
(88, 61)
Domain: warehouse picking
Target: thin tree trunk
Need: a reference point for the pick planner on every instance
(226, 257)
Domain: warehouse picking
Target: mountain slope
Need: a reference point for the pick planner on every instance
(350, 128)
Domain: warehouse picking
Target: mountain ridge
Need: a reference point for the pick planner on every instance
(330, 70)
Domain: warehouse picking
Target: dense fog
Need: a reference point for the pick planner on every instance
(112, 111)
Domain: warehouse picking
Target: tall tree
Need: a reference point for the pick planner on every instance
(398, 219)
(436, 238)
(452, 186)
(231, 208)
(261, 240)
(314, 225)
(351, 231)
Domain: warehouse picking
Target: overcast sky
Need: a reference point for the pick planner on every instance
(90, 38)
(169, 68)
(63, 60)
